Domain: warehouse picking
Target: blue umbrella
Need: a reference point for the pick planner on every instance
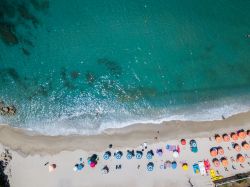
(79, 167)
(150, 166)
(150, 154)
(138, 154)
(118, 155)
(129, 155)
(174, 165)
(107, 155)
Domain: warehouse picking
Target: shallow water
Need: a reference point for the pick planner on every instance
(83, 66)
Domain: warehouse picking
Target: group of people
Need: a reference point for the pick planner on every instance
(7, 110)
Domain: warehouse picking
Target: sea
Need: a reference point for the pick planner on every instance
(83, 66)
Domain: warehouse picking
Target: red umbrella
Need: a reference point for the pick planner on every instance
(92, 164)
(183, 142)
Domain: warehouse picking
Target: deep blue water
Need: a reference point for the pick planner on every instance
(81, 66)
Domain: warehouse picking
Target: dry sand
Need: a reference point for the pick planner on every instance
(30, 151)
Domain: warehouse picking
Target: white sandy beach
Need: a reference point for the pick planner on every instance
(30, 151)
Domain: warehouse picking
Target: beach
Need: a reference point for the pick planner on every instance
(30, 151)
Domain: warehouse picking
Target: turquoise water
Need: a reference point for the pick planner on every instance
(85, 65)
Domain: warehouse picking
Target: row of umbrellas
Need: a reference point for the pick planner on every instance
(167, 164)
(224, 161)
(214, 151)
(130, 154)
(240, 134)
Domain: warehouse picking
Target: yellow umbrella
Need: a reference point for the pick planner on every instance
(185, 167)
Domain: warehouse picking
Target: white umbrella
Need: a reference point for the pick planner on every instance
(175, 154)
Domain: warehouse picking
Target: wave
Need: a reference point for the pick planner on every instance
(88, 123)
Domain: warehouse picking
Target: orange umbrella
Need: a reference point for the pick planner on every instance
(216, 162)
(213, 152)
(218, 138)
(220, 150)
(237, 147)
(224, 161)
(240, 158)
(245, 145)
(226, 138)
(242, 134)
(234, 136)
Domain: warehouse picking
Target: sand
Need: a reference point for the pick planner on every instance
(30, 151)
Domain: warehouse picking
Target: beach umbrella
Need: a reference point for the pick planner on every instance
(193, 146)
(118, 155)
(213, 152)
(106, 155)
(207, 164)
(218, 138)
(150, 154)
(94, 157)
(216, 162)
(220, 150)
(52, 167)
(245, 145)
(183, 142)
(234, 136)
(242, 134)
(138, 154)
(168, 164)
(129, 155)
(240, 158)
(78, 167)
(159, 152)
(174, 165)
(224, 161)
(175, 154)
(237, 147)
(226, 137)
(150, 166)
(93, 164)
(185, 166)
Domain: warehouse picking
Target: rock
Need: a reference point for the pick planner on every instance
(1, 104)
(5, 109)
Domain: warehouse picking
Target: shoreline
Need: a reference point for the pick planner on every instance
(31, 143)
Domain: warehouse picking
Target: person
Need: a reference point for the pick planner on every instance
(233, 167)
(138, 167)
(46, 163)
(241, 166)
(232, 159)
